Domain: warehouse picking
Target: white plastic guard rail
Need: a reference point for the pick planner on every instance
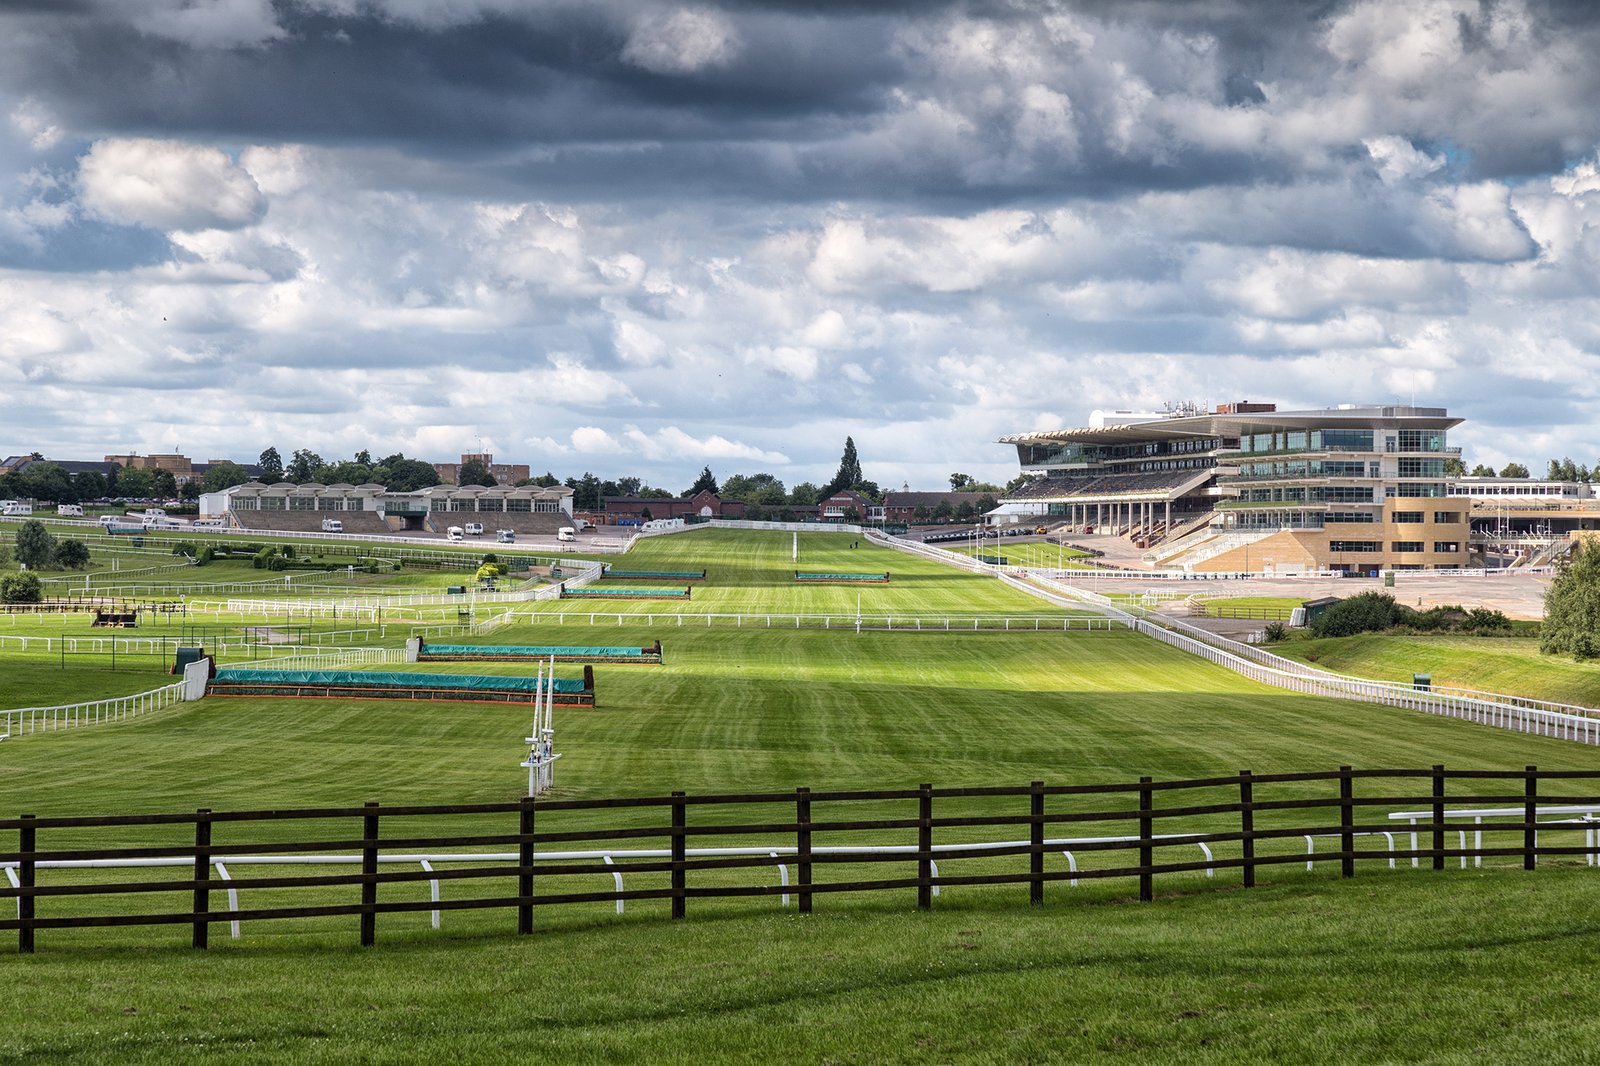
(1561, 721)
(913, 547)
(24, 721)
(332, 660)
(161, 645)
(890, 852)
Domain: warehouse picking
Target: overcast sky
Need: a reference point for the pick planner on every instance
(639, 237)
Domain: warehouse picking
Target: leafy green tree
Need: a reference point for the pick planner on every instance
(1572, 606)
(364, 457)
(1454, 467)
(190, 492)
(45, 482)
(1514, 470)
(706, 482)
(649, 493)
(1020, 480)
(407, 475)
(1482, 470)
(224, 476)
(348, 473)
(163, 483)
(21, 588)
(135, 483)
(304, 466)
(271, 465)
(848, 474)
(475, 472)
(35, 548)
(959, 481)
(585, 492)
(546, 480)
(72, 554)
(754, 488)
(943, 512)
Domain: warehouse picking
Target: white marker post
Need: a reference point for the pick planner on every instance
(794, 548)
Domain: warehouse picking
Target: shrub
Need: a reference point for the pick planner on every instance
(1275, 632)
(207, 554)
(72, 554)
(1367, 613)
(21, 588)
(261, 559)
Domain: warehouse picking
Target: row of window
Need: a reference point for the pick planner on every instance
(1372, 547)
(495, 505)
(1439, 517)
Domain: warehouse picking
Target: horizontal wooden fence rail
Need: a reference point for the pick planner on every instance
(362, 862)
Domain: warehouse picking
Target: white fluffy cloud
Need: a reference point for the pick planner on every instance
(681, 41)
(168, 185)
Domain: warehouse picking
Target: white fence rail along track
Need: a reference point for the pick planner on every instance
(1561, 721)
(24, 721)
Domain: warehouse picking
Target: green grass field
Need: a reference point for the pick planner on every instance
(1490, 664)
(1401, 965)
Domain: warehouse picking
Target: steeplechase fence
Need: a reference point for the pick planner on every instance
(360, 862)
(907, 623)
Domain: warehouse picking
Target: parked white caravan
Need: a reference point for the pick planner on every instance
(455, 533)
(69, 510)
(332, 525)
(566, 533)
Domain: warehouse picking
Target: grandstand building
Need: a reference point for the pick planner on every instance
(1247, 487)
(374, 509)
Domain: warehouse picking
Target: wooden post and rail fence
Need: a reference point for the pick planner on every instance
(91, 871)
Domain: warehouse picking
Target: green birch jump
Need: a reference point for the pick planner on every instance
(818, 578)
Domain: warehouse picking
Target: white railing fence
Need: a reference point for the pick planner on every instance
(1541, 717)
(25, 721)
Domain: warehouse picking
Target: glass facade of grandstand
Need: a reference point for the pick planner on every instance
(1338, 475)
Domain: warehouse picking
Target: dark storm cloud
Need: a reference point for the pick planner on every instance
(800, 109)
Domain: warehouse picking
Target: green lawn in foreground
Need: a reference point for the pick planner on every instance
(1459, 966)
(1510, 665)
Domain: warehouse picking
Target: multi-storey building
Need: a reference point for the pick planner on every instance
(503, 473)
(1355, 487)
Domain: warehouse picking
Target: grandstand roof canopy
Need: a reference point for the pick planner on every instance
(1220, 424)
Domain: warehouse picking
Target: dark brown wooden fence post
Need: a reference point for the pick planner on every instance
(802, 821)
(925, 846)
(25, 872)
(202, 874)
(525, 866)
(1347, 814)
(680, 821)
(1530, 812)
(1147, 852)
(369, 876)
(1247, 826)
(1036, 842)
(1438, 816)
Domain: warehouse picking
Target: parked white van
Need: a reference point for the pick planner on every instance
(332, 525)
(474, 529)
(455, 533)
(566, 533)
(506, 536)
